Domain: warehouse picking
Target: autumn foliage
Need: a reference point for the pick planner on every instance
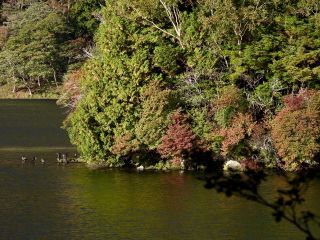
(240, 129)
(206, 85)
(233, 124)
(71, 92)
(230, 96)
(179, 141)
(125, 145)
(296, 128)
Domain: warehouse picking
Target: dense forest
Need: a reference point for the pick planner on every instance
(43, 41)
(175, 84)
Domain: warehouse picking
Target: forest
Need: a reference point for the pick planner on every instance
(42, 41)
(171, 83)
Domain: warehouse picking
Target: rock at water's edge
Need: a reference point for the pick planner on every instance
(232, 165)
(140, 168)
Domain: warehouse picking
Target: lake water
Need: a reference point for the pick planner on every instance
(72, 202)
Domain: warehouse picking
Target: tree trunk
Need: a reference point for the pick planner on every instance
(14, 88)
(14, 83)
(28, 87)
(30, 93)
(240, 44)
(55, 77)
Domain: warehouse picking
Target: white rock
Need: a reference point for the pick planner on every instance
(140, 168)
(232, 165)
(182, 164)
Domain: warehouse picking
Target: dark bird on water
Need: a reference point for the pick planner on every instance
(62, 158)
(33, 160)
(58, 157)
(24, 159)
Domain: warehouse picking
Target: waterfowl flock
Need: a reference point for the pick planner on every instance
(62, 158)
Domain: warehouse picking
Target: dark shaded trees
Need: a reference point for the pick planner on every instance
(84, 16)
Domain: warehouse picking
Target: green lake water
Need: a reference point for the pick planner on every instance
(72, 202)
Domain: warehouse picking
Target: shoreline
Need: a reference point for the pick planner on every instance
(47, 92)
(18, 99)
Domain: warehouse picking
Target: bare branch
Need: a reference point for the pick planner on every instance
(174, 17)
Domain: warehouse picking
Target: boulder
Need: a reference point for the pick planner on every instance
(232, 165)
(140, 168)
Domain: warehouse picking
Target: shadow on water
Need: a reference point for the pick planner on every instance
(287, 201)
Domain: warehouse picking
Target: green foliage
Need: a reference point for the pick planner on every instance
(226, 63)
(165, 57)
(229, 101)
(116, 82)
(296, 64)
(266, 97)
(33, 52)
(156, 104)
(84, 16)
(201, 124)
(38, 45)
(224, 115)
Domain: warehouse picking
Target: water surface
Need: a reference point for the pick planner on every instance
(72, 202)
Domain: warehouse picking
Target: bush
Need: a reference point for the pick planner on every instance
(234, 136)
(179, 141)
(233, 125)
(296, 129)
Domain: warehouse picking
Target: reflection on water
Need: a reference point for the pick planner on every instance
(52, 202)
(31, 128)
(31, 123)
(71, 202)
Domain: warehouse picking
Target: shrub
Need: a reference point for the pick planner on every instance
(233, 126)
(71, 92)
(125, 145)
(230, 96)
(296, 129)
(156, 104)
(235, 134)
(179, 141)
(229, 101)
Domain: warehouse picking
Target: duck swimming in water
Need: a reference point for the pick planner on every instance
(33, 160)
(62, 158)
(58, 157)
(24, 159)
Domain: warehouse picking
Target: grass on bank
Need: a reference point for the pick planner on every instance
(45, 92)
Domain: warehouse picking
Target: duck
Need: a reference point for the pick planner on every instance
(58, 157)
(42, 161)
(73, 159)
(33, 160)
(24, 159)
(64, 158)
